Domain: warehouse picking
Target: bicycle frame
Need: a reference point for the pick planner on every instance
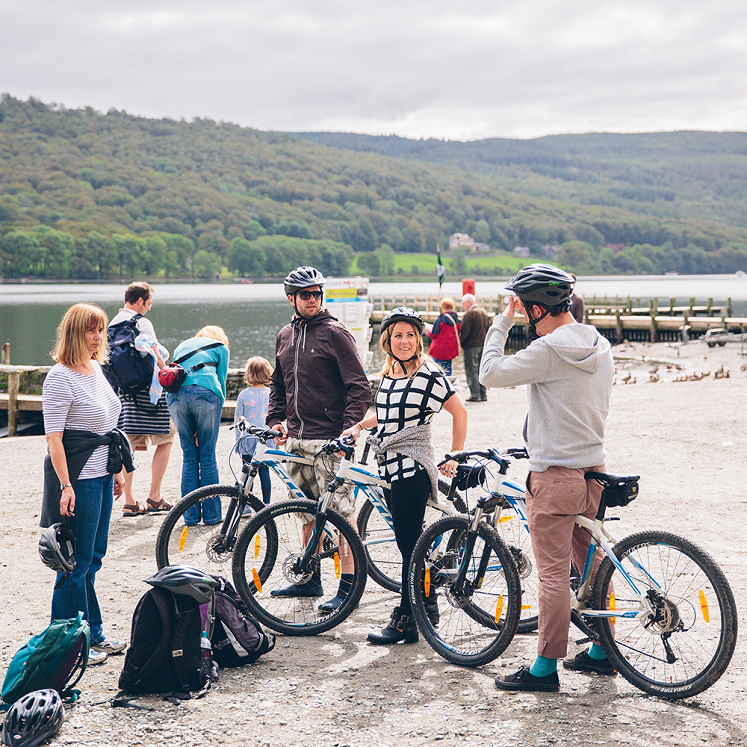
(515, 494)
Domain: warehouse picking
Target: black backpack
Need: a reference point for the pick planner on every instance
(237, 638)
(127, 368)
(164, 654)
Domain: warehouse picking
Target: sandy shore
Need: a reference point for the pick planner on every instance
(686, 438)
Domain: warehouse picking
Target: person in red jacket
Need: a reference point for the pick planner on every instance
(444, 336)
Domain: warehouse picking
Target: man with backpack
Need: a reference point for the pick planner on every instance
(142, 421)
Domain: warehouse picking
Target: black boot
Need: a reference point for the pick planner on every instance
(310, 588)
(346, 584)
(400, 628)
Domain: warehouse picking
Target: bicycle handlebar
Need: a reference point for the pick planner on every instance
(261, 432)
(494, 455)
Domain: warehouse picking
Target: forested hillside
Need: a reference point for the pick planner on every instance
(91, 195)
(684, 175)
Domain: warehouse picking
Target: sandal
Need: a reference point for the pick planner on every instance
(159, 506)
(134, 509)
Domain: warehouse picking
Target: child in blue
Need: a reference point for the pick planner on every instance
(252, 404)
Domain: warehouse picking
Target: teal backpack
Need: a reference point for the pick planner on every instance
(50, 660)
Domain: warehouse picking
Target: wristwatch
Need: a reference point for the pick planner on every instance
(66, 485)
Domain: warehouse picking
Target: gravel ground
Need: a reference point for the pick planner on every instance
(688, 441)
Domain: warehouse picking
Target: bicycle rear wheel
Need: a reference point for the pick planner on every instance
(476, 623)
(382, 554)
(685, 642)
(275, 539)
(206, 547)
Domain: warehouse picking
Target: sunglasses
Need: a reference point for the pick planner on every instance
(306, 295)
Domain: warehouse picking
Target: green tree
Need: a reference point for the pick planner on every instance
(458, 263)
(206, 265)
(246, 258)
(369, 264)
(385, 253)
(481, 231)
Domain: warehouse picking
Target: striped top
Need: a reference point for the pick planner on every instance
(401, 403)
(78, 402)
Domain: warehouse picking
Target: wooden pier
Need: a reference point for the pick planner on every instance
(617, 319)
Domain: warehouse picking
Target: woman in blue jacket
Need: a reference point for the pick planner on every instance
(196, 409)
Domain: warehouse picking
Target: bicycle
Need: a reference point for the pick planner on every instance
(293, 552)
(375, 526)
(660, 607)
(210, 547)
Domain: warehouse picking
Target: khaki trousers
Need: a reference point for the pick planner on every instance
(554, 498)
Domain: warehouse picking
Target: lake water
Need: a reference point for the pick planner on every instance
(252, 314)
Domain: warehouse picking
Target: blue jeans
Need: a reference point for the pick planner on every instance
(445, 365)
(196, 413)
(93, 509)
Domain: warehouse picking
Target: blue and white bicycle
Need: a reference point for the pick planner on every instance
(660, 607)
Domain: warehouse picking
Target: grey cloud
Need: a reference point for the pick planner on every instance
(415, 68)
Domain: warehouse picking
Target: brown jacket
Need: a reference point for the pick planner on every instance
(319, 385)
(475, 324)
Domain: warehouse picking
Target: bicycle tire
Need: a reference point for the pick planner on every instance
(508, 525)
(476, 627)
(276, 536)
(382, 554)
(696, 615)
(199, 546)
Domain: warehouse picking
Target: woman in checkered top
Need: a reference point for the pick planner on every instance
(412, 390)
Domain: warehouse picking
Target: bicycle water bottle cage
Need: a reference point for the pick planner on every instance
(618, 490)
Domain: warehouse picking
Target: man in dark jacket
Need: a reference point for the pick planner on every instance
(320, 389)
(475, 323)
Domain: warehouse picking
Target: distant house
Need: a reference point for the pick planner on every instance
(461, 239)
(521, 251)
(550, 250)
(615, 247)
(480, 247)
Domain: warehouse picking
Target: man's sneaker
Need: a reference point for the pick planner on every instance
(525, 681)
(96, 657)
(109, 646)
(582, 662)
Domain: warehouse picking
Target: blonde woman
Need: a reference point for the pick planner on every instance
(412, 390)
(80, 418)
(196, 409)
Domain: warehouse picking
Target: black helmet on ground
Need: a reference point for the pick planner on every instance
(544, 285)
(403, 314)
(302, 277)
(181, 579)
(57, 548)
(33, 718)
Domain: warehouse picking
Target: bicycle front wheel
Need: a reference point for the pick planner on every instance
(287, 599)
(513, 532)
(206, 547)
(685, 638)
(472, 623)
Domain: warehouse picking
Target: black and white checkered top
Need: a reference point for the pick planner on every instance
(401, 403)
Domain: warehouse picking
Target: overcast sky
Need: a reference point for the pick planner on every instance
(417, 68)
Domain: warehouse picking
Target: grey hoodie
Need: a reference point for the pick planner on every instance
(569, 375)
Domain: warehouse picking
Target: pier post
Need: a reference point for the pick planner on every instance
(653, 333)
(14, 378)
(6, 354)
(618, 326)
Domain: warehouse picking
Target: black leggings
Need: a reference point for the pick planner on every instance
(407, 501)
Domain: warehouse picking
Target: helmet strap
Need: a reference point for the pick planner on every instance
(532, 321)
(399, 360)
